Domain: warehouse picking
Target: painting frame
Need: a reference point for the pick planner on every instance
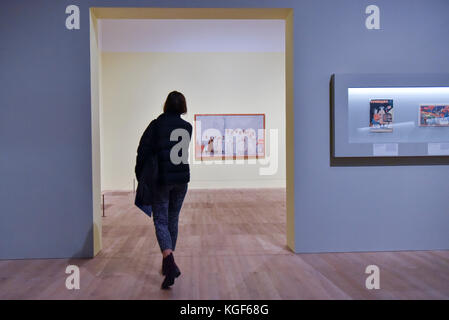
(201, 155)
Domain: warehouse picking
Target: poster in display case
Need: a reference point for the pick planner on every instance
(229, 136)
(381, 115)
(436, 115)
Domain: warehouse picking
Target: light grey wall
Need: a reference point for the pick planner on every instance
(45, 146)
(364, 208)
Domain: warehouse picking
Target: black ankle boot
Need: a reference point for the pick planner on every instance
(171, 271)
(164, 268)
(177, 271)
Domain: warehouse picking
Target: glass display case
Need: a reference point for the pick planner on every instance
(390, 115)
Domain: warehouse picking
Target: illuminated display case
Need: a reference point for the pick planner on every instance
(389, 119)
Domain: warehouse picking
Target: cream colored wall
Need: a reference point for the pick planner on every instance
(95, 65)
(135, 85)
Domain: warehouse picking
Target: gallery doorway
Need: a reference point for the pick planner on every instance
(117, 79)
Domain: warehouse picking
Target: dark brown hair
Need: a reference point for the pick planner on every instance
(175, 103)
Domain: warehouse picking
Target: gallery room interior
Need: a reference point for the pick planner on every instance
(313, 158)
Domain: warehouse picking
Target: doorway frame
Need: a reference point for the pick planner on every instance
(194, 14)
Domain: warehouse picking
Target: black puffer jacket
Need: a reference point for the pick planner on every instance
(170, 173)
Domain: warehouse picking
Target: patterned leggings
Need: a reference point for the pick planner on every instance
(166, 207)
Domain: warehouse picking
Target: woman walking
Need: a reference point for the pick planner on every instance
(163, 173)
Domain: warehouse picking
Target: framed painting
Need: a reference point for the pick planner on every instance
(229, 136)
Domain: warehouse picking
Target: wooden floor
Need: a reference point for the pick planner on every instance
(231, 246)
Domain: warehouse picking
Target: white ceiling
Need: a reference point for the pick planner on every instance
(151, 35)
